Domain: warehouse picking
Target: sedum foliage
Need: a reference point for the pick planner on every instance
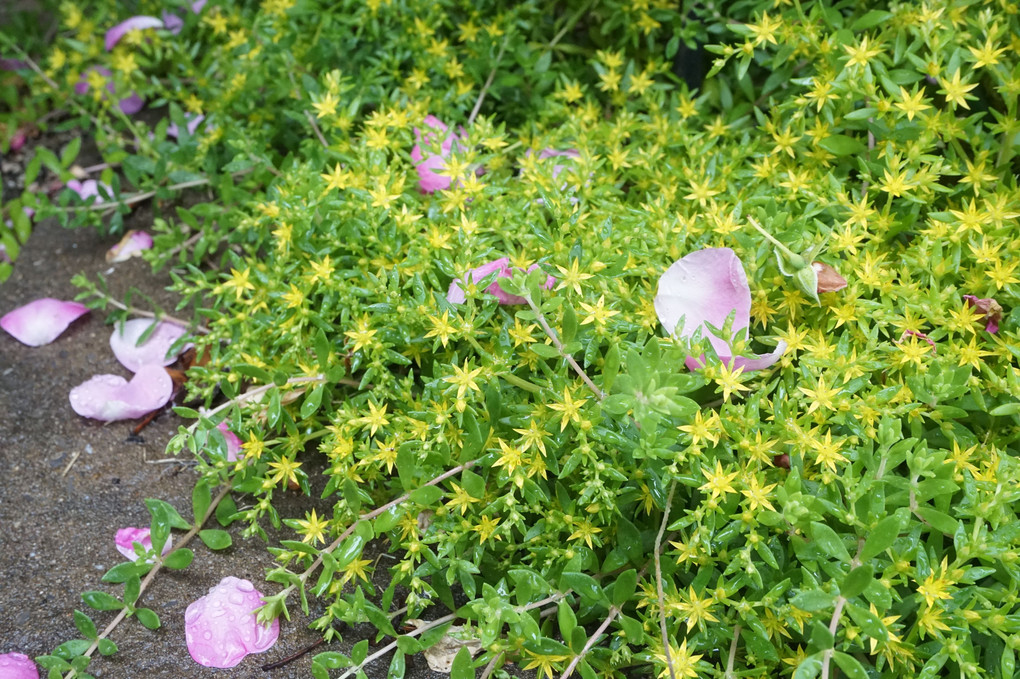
(853, 507)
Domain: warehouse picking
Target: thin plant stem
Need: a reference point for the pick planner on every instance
(488, 82)
(658, 583)
(613, 612)
(133, 198)
(151, 314)
(768, 236)
(151, 575)
(491, 666)
(733, 654)
(599, 394)
(571, 22)
(254, 392)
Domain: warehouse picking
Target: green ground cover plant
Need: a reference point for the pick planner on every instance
(850, 510)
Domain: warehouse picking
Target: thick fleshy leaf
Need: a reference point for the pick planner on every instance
(110, 397)
(987, 307)
(40, 322)
(455, 294)
(707, 286)
(17, 666)
(126, 537)
(131, 245)
(130, 104)
(136, 23)
(124, 342)
(220, 628)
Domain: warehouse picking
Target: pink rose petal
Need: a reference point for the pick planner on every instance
(131, 245)
(192, 123)
(110, 397)
(124, 342)
(455, 295)
(126, 537)
(428, 163)
(233, 442)
(17, 666)
(987, 307)
(130, 104)
(40, 322)
(137, 23)
(220, 628)
(703, 287)
(89, 189)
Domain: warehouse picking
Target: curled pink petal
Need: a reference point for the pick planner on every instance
(919, 335)
(192, 123)
(455, 294)
(172, 22)
(428, 163)
(705, 287)
(110, 397)
(153, 351)
(136, 23)
(233, 442)
(987, 307)
(40, 322)
(220, 628)
(131, 245)
(18, 139)
(126, 537)
(17, 666)
(130, 104)
(89, 188)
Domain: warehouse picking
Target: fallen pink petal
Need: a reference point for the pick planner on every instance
(428, 163)
(705, 287)
(110, 398)
(136, 23)
(17, 666)
(554, 153)
(988, 308)
(131, 245)
(129, 105)
(42, 321)
(172, 22)
(89, 188)
(127, 537)
(220, 628)
(192, 121)
(829, 279)
(455, 295)
(233, 442)
(153, 351)
(13, 65)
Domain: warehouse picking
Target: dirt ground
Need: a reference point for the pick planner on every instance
(67, 484)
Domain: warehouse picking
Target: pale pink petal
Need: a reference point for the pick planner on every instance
(89, 189)
(429, 179)
(137, 23)
(172, 22)
(220, 628)
(198, 6)
(154, 350)
(193, 121)
(131, 245)
(17, 666)
(126, 537)
(111, 397)
(455, 295)
(554, 153)
(233, 442)
(40, 322)
(18, 140)
(129, 105)
(705, 287)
